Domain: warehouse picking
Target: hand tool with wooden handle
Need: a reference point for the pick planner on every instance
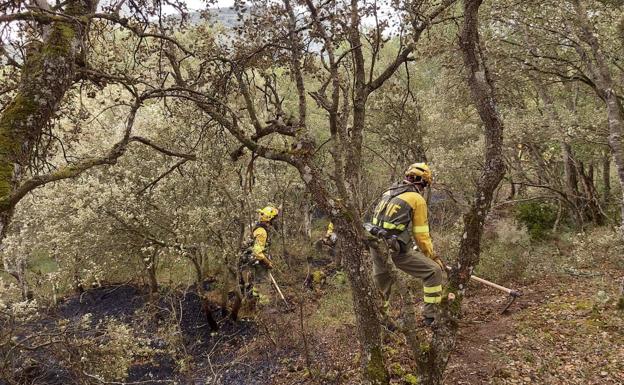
(512, 293)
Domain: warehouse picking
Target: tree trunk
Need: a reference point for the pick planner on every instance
(357, 266)
(307, 219)
(365, 301)
(151, 273)
(605, 88)
(569, 168)
(18, 271)
(48, 72)
(616, 124)
(591, 209)
(434, 357)
(606, 177)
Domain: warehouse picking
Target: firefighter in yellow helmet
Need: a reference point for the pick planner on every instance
(400, 219)
(254, 261)
(260, 235)
(330, 240)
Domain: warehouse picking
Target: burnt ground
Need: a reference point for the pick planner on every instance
(221, 357)
(562, 331)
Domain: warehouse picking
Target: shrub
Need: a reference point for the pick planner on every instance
(109, 348)
(538, 217)
(504, 256)
(598, 246)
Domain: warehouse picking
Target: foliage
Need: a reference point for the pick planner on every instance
(114, 343)
(506, 252)
(538, 217)
(229, 119)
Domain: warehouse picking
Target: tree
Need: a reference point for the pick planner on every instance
(342, 80)
(433, 357)
(57, 55)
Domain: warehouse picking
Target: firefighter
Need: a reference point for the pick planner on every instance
(400, 220)
(330, 236)
(260, 234)
(330, 240)
(255, 261)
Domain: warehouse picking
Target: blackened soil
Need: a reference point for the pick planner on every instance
(120, 301)
(162, 367)
(198, 355)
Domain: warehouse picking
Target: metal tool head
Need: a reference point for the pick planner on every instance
(512, 298)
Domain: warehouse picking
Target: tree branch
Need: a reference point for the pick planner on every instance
(403, 56)
(163, 150)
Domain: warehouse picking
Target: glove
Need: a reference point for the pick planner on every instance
(440, 263)
(264, 261)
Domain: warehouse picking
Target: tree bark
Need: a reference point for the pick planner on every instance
(570, 174)
(365, 302)
(606, 177)
(151, 273)
(605, 88)
(592, 208)
(434, 357)
(48, 72)
(569, 169)
(307, 218)
(357, 266)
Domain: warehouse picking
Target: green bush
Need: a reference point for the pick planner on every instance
(538, 217)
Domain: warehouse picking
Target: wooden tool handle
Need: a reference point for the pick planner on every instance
(277, 287)
(492, 284)
(511, 292)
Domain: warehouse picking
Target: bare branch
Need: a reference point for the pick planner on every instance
(163, 175)
(163, 150)
(403, 56)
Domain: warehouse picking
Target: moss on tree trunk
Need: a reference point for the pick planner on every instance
(48, 72)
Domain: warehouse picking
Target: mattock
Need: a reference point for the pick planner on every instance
(513, 294)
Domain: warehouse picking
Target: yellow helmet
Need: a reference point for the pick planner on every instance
(417, 172)
(267, 213)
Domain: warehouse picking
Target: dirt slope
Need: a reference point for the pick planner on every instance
(564, 330)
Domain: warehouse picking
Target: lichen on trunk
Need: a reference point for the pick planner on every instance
(47, 74)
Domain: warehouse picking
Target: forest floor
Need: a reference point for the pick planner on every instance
(565, 329)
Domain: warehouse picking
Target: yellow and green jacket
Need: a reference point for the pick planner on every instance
(403, 211)
(261, 242)
(330, 229)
